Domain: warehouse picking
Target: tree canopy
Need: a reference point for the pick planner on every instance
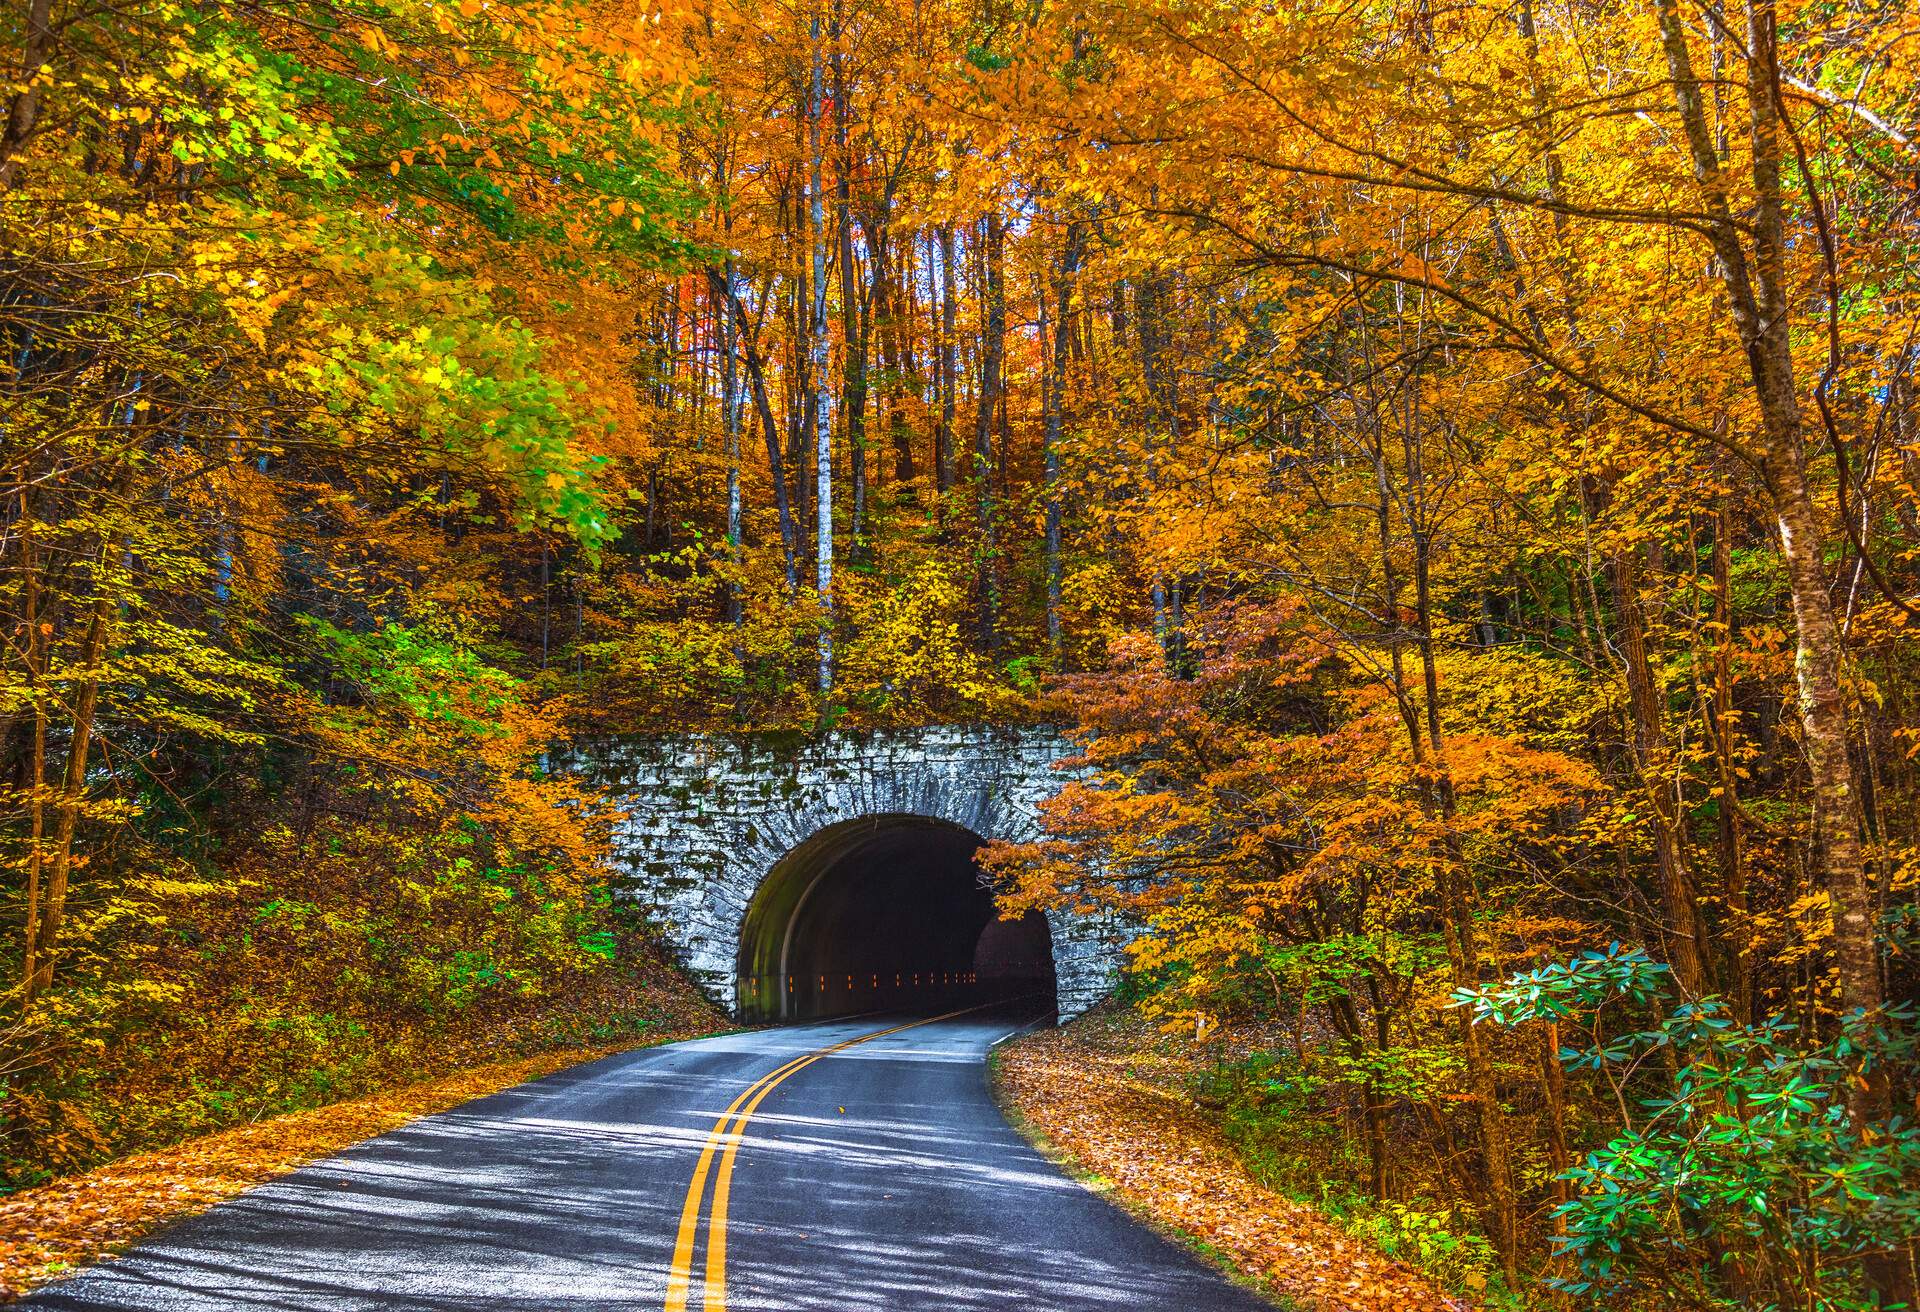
(1454, 468)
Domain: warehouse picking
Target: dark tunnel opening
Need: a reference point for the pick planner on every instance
(886, 913)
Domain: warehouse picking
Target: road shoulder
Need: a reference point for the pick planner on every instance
(49, 1232)
(1089, 1097)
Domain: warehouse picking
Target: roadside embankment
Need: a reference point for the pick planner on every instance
(49, 1230)
(1108, 1100)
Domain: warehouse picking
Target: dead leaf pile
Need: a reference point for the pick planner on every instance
(1107, 1096)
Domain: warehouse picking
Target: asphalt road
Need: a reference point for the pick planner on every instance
(878, 1174)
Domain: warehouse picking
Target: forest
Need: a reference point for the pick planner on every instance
(1454, 469)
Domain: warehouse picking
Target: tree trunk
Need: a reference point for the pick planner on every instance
(73, 788)
(1559, 1154)
(1757, 300)
(731, 607)
(1162, 422)
(1823, 718)
(1053, 384)
(1733, 873)
(1649, 749)
(992, 364)
(23, 115)
(36, 780)
(1459, 929)
(817, 358)
(769, 427)
(948, 373)
(887, 327)
(853, 373)
(797, 378)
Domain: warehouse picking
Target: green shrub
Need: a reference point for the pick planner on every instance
(1744, 1180)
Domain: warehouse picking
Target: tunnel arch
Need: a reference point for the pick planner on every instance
(704, 817)
(885, 912)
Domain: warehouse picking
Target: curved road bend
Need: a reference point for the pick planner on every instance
(875, 1172)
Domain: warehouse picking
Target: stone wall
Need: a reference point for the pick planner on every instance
(709, 815)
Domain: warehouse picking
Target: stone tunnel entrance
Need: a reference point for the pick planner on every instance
(721, 835)
(885, 913)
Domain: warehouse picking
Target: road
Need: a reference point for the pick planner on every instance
(844, 1165)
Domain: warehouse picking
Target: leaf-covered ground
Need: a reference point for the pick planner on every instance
(48, 1231)
(1107, 1096)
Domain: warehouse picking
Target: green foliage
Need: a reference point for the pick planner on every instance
(433, 680)
(599, 943)
(1748, 1170)
(1429, 1237)
(1281, 1121)
(424, 346)
(1280, 1113)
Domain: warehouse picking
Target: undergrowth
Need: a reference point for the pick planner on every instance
(1298, 1147)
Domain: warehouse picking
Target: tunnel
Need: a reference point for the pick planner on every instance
(886, 914)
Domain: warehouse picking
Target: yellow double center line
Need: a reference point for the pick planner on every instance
(724, 1140)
